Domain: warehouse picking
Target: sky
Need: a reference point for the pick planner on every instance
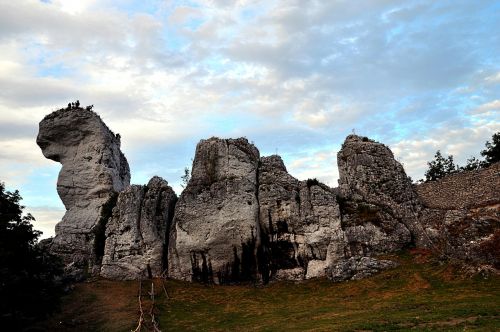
(294, 77)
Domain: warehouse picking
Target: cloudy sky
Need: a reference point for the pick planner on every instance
(294, 77)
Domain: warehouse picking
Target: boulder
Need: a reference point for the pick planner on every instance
(355, 268)
(93, 171)
(137, 232)
(215, 231)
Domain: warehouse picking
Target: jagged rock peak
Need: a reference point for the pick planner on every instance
(357, 138)
(217, 158)
(93, 170)
(137, 232)
(215, 229)
(273, 162)
(378, 195)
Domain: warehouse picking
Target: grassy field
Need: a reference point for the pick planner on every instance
(419, 295)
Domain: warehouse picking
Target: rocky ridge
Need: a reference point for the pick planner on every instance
(241, 217)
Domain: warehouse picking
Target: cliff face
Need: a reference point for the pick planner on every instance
(297, 219)
(462, 215)
(137, 232)
(243, 218)
(215, 231)
(93, 170)
(379, 205)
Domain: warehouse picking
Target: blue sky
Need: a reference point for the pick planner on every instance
(294, 77)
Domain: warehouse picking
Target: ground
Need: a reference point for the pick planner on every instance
(420, 295)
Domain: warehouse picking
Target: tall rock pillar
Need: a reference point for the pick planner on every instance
(215, 232)
(93, 171)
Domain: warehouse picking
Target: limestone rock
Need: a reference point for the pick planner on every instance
(356, 268)
(93, 170)
(380, 208)
(215, 229)
(462, 215)
(137, 233)
(297, 220)
(293, 274)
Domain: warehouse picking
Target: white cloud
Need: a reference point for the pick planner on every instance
(492, 106)
(495, 78)
(292, 76)
(46, 218)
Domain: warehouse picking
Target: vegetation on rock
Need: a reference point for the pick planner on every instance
(440, 166)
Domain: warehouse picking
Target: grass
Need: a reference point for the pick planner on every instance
(419, 295)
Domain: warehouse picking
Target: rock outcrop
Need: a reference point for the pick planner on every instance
(378, 196)
(137, 232)
(378, 205)
(297, 220)
(93, 171)
(462, 215)
(243, 218)
(215, 229)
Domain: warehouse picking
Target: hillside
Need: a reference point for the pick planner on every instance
(420, 294)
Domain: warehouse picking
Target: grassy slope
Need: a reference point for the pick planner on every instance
(417, 296)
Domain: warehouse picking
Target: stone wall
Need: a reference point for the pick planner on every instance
(463, 190)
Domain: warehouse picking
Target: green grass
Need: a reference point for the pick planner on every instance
(417, 296)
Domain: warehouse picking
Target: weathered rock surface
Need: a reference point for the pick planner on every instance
(215, 228)
(297, 219)
(137, 232)
(462, 215)
(356, 268)
(380, 208)
(93, 170)
(378, 205)
(244, 218)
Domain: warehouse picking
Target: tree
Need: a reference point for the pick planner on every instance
(440, 167)
(186, 177)
(28, 273)
(492, 152)
(472, 164)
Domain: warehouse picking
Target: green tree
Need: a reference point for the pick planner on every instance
(492, 152)
(28, 287)
(440, 167)
(472, 164)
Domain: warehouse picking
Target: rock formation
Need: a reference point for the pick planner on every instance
(377, 195)
(378, 205)
(93, 170)
(462, 215)
(137, 232)
(297, 219)
(215, 229)
(243, 218)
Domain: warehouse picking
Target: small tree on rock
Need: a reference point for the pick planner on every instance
(472, 164)
(440, 167)
(492, 152)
